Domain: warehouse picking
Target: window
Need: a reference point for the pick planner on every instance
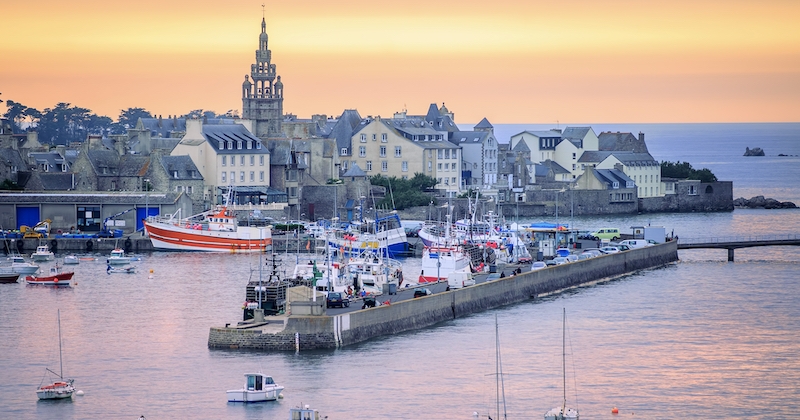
(252, 160)
(224, 161)
(239, 145)
(369, 165)
(241, 176)
(233, 177)
(574, 156)
(261, 160)
(453, 166)
(384, 137)
(189, 189)
(233, 160)
(383, 151)
(453, 180)
(404, 166)
(430, 166)
(440, 154)
(363, 138)
(224, 177)
(89, 218)
(374, 137)
(179, 188)
(252, 176)
(249, 144)
(258, 145)
(447, 154)
(362, 151)
(344, 165)
(343, 152)
(447, 181)
(439, 166)
(175, 174)
(261, 176)
(397, 151)
(574, 166)
(241, 160)
(384, 166)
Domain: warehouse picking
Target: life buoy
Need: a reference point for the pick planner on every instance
(89, 245)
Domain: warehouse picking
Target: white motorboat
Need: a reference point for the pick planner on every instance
(128, 269)
(71, 259)
(305, 413)
(20, 266)
(371, 272)
(42, 254)
(118, 257)
(62, 388)
(257, 388)
(439, 262)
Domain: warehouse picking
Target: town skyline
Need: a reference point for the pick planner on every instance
(519, 62)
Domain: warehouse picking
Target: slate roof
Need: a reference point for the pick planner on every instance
(166, 126)
(541, 134)
(468, 137)
(51, 159)
(103, 159)
(557, 169)
(344, 127)
(183, 165)
(484, 124)
(621, 142)
(609, 176)
(541, 170)
(56, 181)
(354, 171)
(63, 197)
(627, 158)
(218, 134)
(576, 135)
(12, 157)
(521, 147)
(133, 165)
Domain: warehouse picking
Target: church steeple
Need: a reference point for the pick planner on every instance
(262, 98)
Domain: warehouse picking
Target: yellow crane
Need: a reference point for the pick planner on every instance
(41, 230)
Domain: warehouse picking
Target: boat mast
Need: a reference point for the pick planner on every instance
(499, 385)
(60, 361)
(564, 360)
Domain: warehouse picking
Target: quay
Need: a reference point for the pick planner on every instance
(307, 332)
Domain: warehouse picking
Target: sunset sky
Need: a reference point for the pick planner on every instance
(523, 61)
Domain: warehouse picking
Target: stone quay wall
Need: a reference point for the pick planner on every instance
(354, 327)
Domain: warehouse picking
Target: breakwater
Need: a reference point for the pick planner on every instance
(320, 332)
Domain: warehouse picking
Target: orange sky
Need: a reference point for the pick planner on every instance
(512, 61)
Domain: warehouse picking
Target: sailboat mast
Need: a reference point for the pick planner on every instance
(60, 361)
(564, 358)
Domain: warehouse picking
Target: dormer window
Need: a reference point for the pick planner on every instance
(175, 174)
(249, 145)
(615, 185)
(239, 145)
(258, 145)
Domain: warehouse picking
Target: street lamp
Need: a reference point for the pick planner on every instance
(146, 196)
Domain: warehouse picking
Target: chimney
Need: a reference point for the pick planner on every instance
(159, 121)
(641, 137)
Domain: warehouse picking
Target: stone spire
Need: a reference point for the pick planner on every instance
(262, 97)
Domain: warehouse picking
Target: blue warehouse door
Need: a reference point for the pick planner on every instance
(140, 214)
(28, 216)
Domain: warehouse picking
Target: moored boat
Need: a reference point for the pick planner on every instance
(257, 388)
(71, 259)
(56, 278)
(118, 256)
(305, 413)
(7, 275)
(386, 234)
(124, 270)
(20, 266)
(213, 231)
(439, 262)
(42, 253)
(61, 388)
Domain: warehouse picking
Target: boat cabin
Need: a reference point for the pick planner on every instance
(305, 413)
(119, 253)
(257, 381)
(222, 222)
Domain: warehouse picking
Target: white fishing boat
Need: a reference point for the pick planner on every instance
(371, 271)
(385, 233)
(71, 259)
(118, 256)
(257, 388)
(563, 412)
(42, 253)
(439, 262)
(61, 388)
(328, 274)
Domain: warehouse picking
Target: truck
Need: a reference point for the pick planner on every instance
(41, 230)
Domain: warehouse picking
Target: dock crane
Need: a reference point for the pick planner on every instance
(105, 232)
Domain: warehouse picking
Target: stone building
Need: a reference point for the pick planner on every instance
(262, 92)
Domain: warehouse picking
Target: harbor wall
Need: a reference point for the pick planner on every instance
(358, 326)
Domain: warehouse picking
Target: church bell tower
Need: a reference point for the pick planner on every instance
(262, 92)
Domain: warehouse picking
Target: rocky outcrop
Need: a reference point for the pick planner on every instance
(756, 151)
(761, 202)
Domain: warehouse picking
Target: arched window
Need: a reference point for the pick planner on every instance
(709, 190)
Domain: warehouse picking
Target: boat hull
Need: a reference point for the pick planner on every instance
(60, 279)
(245, 239)
(56, 391)
(9, 278)
(438, 263)
(248, 396)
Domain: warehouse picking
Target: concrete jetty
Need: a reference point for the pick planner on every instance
(305, 332)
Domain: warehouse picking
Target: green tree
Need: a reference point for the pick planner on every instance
(684, 170)
(406, 192)
(19, 114)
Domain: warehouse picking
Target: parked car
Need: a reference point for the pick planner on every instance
(538, 265)
(560, 260)
(585, 256)
(622, 247)
(571, 258)
(611, 234)
(610, 249)
(422, 291)
(635, 243)
(337, 299)
(594, 251)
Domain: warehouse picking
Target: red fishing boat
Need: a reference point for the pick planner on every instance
(56, 278)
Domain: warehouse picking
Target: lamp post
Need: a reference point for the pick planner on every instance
(146, 196)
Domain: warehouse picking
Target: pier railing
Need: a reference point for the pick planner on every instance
(739, 239)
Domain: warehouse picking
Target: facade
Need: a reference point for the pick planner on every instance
(640, 167)
(227, 155)
(562, 147)
(479, 155)
(262, 92)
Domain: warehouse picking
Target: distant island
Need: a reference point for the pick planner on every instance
(756, 151)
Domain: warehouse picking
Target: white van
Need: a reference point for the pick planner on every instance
(459, 279)
(635, 243)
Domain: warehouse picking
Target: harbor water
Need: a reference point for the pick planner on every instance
(699, 338)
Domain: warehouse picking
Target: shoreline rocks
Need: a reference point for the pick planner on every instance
(761, 202)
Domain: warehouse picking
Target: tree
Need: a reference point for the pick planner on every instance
(406, 192)
(684, 170)
(129, 117)
(19, 114)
